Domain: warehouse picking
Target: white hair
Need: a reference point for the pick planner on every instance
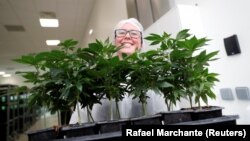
(132, 21)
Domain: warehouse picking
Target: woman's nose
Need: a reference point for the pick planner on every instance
(127, 35)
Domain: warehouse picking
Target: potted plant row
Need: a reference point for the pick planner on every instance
(187, 72)
(64, 77)
(177, 69)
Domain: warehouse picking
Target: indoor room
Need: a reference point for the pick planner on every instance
(69, 77)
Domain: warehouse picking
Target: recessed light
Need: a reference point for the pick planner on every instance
(2, 73)
(6, 75)
(48, 19)
(49, 22)
(52, 42)
(90, 31)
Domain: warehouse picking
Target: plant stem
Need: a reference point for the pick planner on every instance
(59, 117)
(168, 104)
(144, 108)
(117, 110)
(44, 116)
(90, 117)
(199, 105)
(78, 113)
(111, 110)
(190, 100)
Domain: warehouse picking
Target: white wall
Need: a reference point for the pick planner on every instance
(105, 15)
(217, 19)
(170, 23)
(229, 17)
(15, 79)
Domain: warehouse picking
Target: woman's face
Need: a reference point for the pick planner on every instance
(124, 40)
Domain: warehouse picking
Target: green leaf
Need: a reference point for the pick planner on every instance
(165, 85)
(26, 59)
(183, 34)
(79, 86)
(153, 37)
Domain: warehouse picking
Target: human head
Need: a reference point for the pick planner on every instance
(127, 43)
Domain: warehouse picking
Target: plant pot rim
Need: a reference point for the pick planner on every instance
(78, 126)
(40, 131)
(103, 136)
(203, 108)
(209, 120)
(176, 111)
(114, 121)
(146, 117)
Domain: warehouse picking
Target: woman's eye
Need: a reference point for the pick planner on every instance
(122, 33)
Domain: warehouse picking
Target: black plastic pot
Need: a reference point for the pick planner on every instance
(176, 116)
(77, 130)
(43, 135)
(147, 120)
(206, 112)
(111, 130)
(223, 120)
(112, 126)
(112, 136)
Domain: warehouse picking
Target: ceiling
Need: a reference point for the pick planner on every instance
(28, 36)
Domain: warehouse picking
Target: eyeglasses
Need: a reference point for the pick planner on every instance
(123, 33)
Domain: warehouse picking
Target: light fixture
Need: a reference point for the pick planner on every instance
(90, 31)
(48, 19)
(2, 72)
(49, 22)
(6, 75)
(52, 42)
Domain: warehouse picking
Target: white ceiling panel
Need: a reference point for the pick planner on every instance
(73, 18)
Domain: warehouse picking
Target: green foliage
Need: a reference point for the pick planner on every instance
(63, 77)
(69, 75)
(187, 70)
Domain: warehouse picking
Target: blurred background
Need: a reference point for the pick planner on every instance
(22, 32)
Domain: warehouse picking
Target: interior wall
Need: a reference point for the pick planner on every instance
(159, 8)
(132, 8)
(105, 15)
(170, 23)
(145, 14)
(148, 11)
(15, 79)
(229, 17)
(217, 20)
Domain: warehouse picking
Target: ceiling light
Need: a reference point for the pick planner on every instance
(90, 31)
(49, 22)
(2, 73)
(48, 19)
(6, 75)
(52, 42)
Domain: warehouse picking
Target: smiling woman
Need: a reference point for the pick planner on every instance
(128, 38)
(129, 43)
